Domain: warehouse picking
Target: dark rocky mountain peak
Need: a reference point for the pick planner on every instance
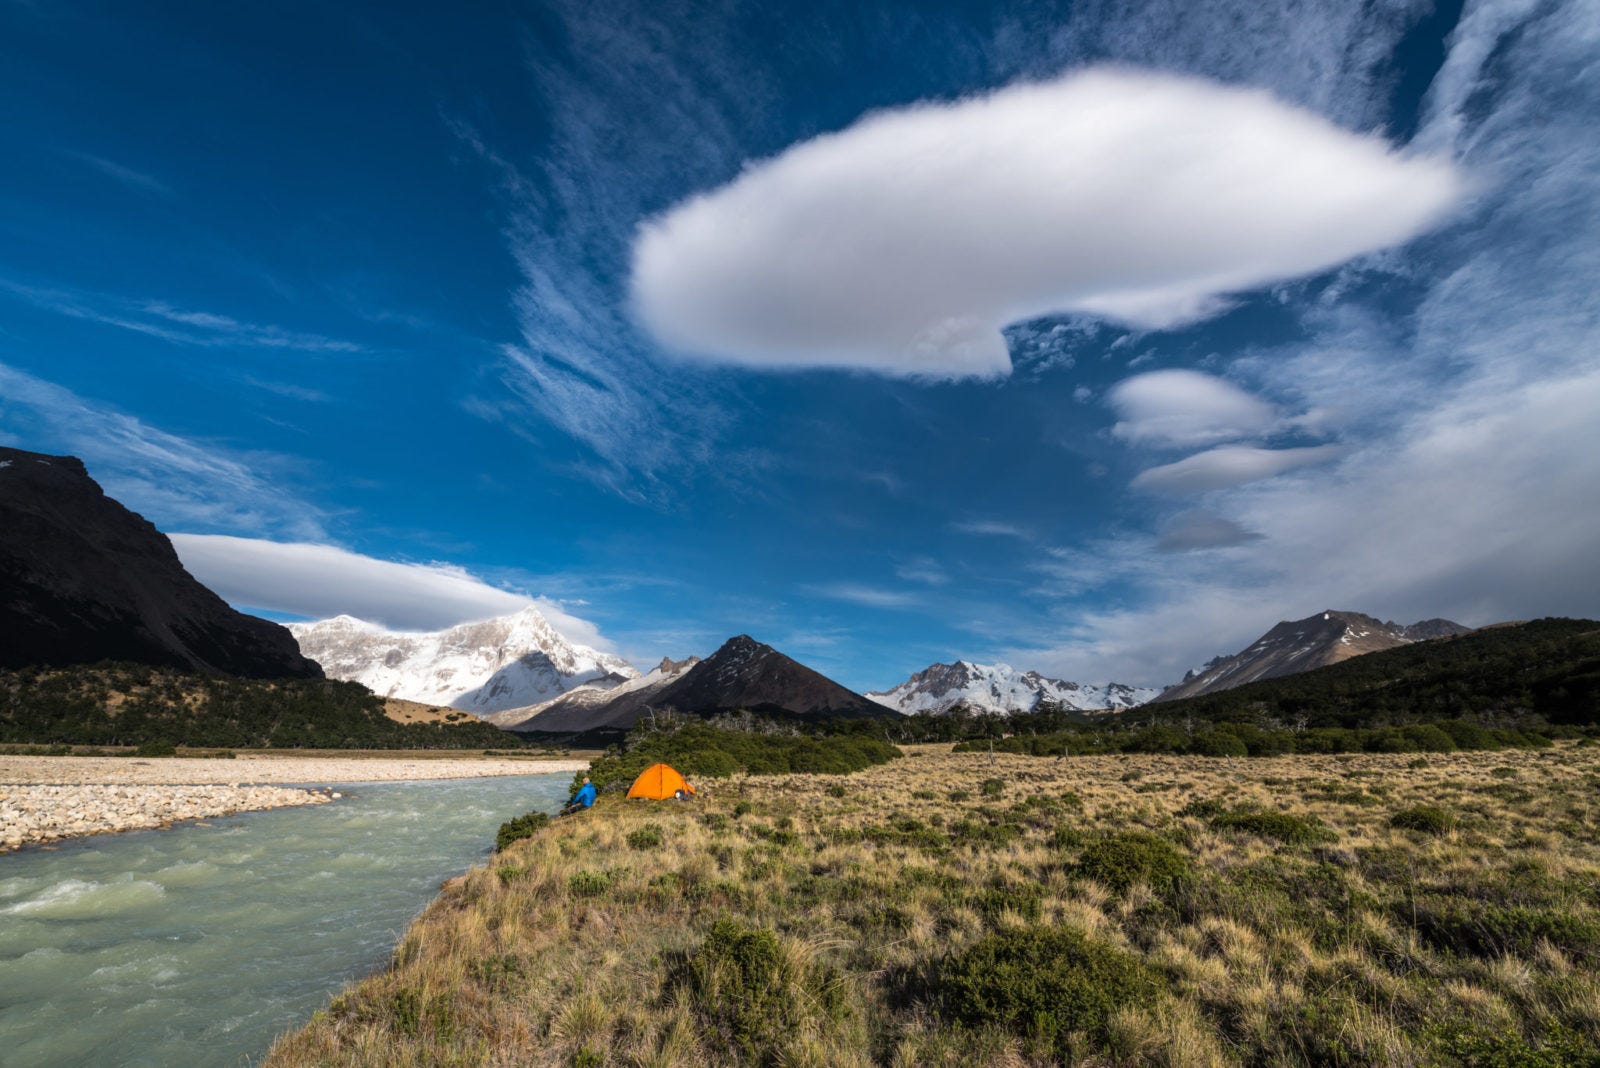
(83, 579)
(742, 674)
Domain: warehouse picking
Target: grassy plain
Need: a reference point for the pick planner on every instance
(953, 909)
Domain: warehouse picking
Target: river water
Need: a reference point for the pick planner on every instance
(200, 944)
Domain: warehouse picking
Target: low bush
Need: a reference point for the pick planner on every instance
(992, 787)
(750, 993)
(156, 748)
(1041, 983)
(1270, 823)
(1425, 819)
(589, 883)
(646, 837)
(524, 826)
(1121, 860)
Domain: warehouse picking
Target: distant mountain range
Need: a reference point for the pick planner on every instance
(83, 579)
(486, 667)
(1304, 644)
(742, 674)
(1003, 689)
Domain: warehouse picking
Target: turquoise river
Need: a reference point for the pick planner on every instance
(200, 944)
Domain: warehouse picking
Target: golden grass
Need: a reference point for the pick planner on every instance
(1375, 945)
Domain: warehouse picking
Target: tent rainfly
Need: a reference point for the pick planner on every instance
(659, 782)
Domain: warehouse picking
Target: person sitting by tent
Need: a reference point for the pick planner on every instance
(584, 798)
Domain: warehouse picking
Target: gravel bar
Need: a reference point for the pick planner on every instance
(44, 799)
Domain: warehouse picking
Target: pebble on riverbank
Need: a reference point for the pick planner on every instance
(40, 813)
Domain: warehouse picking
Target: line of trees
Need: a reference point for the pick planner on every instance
(118, 704)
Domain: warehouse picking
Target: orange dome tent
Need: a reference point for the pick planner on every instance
(659, 782)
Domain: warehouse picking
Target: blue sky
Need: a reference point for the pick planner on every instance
(1092, 337)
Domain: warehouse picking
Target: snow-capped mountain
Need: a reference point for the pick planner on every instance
(1001, 688)
(581, 707)
(1303, 644)
(509, 662)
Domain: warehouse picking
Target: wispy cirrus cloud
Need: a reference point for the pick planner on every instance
(134, 179)
(991, 528)
(159, 319)
(866, 596)
(172, 480)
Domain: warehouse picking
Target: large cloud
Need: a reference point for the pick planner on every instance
(324, 580)
(905, 242)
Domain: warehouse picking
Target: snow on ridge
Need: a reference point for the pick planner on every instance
(480, 667)
(1003, 689)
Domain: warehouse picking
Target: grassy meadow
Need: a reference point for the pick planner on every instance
(957, 909)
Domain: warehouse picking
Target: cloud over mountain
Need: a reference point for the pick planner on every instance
(318, 581)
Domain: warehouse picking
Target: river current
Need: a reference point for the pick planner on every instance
(200, 944)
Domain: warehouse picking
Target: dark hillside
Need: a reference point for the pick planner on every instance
(83, 579)
(127, 704)
(1546, 667)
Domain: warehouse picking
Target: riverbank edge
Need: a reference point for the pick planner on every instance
(46, 800)
(43, 814)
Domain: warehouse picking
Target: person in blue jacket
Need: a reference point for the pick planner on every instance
(584, 798)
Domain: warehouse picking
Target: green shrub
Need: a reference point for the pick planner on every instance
(836, 790)
(992, 787)
(1476, 928)
(1218, 744)
(1270, 823)
(524, 826)
(646, 837)
(1425, 819)
(1120, 860)
(156, 748)
(1042, 983)
(588, 883)
(959, 796)
(741, 808)
(748, 993)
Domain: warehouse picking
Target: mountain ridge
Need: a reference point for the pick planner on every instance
(1000, 688)
(1295, 646)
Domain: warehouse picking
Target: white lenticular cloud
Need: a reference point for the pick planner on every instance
(318, 581)
(1231, 465)
(904, 243)
(1186, 408)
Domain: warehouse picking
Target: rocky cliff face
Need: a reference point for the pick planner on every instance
(1316, 641)
(84, 579)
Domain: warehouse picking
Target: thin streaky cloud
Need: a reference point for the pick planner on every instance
(160, 319)
(169, 479)
(866, 596)
(126, 175)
